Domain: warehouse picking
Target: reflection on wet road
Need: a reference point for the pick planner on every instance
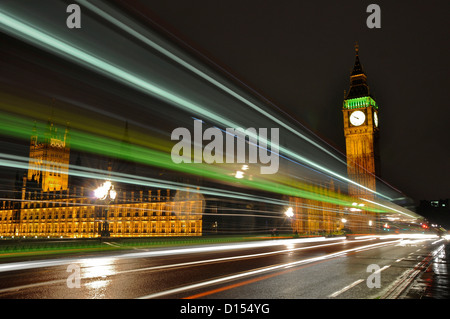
(296, 268)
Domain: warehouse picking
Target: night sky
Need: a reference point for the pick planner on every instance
(299, 55)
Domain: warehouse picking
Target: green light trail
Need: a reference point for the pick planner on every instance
(20, 162)
(17, 127)
(42, 39)
(83, 122)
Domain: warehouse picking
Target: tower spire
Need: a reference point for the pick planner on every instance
(358, 79)
(357, 67)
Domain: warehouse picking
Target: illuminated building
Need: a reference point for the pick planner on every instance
(49, 207)
(49, 159)
(360, 112)
(314, 216)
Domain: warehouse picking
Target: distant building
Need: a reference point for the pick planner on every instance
(441, 203)
(314, 216)
(436, 205)
(46, 205)
(436, 211)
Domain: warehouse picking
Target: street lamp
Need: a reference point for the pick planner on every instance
(105, 191)
(289, 212)
(107, 194)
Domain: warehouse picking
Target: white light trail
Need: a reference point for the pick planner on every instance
(258, 271)
(190, 67)
(388, 207)
(18, 28)
(166, 252)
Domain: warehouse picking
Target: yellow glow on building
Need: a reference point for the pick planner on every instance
(57, 210)
(77, 216)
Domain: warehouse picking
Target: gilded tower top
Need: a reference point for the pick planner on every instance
(358, 79)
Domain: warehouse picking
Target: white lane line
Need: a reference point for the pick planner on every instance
(38, 284)
(257, 271)
(399, 260)
(185, 264)
(163, 252)
(385, 267)
(337, 293)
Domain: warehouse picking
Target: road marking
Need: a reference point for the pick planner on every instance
(233, 277)
(61, 262)
(165, 252)
(243, 283)
(38, 284)
(405, 280)
(385, 267)
(257, 271)
(186, 264)
(399, 260)
(337, 293)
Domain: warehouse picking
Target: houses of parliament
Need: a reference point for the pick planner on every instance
(48, 205)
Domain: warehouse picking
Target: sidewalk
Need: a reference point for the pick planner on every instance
(434, 282)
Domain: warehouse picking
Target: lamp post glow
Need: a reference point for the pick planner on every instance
(107, 194)
(105, 191)
(289, 212)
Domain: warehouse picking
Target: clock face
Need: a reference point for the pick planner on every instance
(357, 118)
(375, 119)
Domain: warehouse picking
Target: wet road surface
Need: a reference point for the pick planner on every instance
(273, 269)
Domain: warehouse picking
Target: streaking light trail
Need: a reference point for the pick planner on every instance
(190, 67)
(264, 270)
(42, 39)
(7, 160)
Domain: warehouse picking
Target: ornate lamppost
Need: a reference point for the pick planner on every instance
(106, 194)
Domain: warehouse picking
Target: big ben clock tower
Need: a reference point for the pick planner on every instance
(361, 130)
